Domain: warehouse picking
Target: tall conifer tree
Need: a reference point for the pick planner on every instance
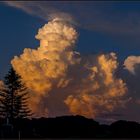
(14, 97)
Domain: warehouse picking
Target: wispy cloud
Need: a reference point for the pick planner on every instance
(98, 16)
(41, 9)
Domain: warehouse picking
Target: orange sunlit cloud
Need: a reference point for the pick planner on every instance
(89, 85)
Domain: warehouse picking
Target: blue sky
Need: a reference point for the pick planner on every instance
(17, 32)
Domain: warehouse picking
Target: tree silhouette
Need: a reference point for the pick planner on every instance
(13, 97)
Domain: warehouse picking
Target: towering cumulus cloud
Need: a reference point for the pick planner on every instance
(87, 84)
(47, 66)
(100, 92)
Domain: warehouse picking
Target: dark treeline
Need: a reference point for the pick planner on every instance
(68, 127)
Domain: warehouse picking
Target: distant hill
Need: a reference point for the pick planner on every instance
(68, 127)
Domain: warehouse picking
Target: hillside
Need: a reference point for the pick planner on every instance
(69, 127)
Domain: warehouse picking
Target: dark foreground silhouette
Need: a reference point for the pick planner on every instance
(68, 127)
